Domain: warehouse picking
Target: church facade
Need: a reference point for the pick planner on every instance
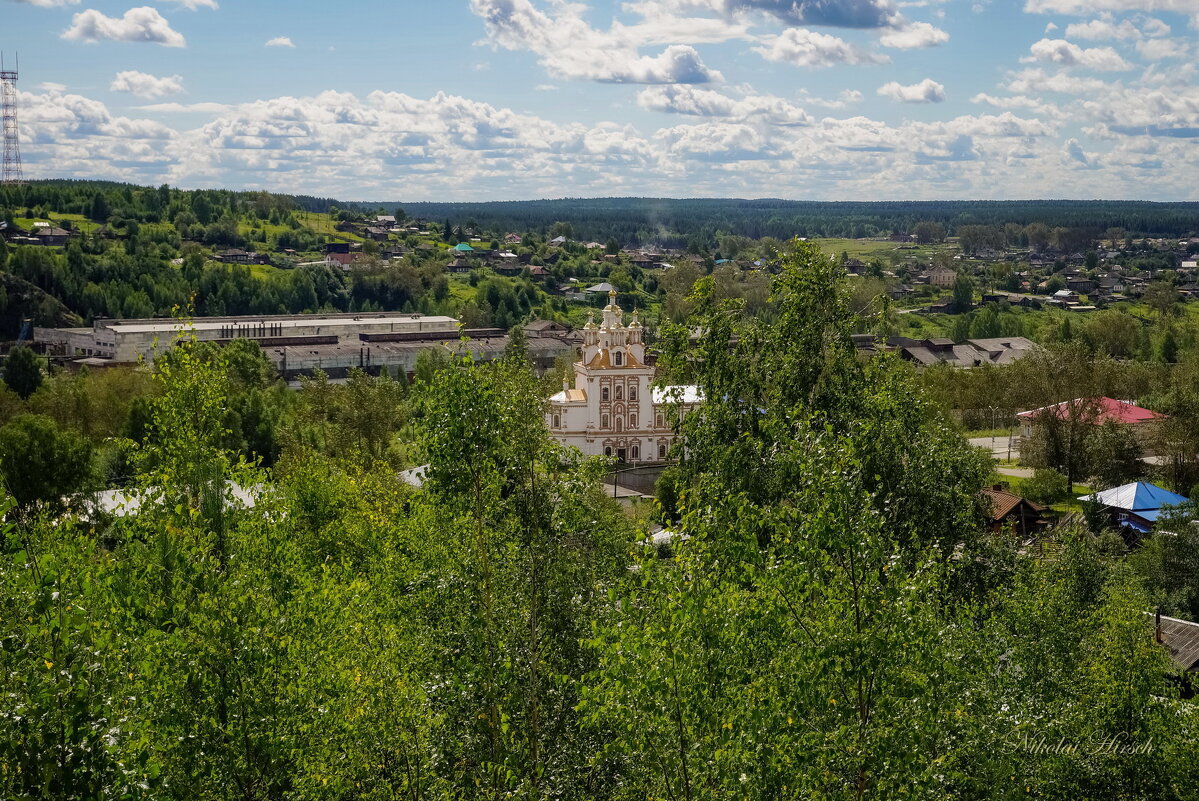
(612, 409)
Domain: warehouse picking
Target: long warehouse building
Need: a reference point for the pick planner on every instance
(297, 344)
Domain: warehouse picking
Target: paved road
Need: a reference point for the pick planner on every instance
(1016, 472)
(998, 446)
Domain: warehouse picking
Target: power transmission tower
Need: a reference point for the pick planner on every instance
(8, 110)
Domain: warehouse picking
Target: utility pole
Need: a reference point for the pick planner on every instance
(8, 112)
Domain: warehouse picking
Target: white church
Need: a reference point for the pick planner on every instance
(612, 410)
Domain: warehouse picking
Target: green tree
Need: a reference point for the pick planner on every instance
(537, 542)
(23, 371)
(1114, 455)
(821, 551)
(1162, 297)
(927, 232)
(41, 462)
(963, 293)
(99, 211)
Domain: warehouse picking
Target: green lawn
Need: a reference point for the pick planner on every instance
(866, 249)
(77, 221)
(323, 224)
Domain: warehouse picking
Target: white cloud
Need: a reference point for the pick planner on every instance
(142, 24)
(805, 48)
(1101, 29)
(1035, 80)
(388, 144)
(1163, 49)
(916, 34)
(836, 14)
(145, 85)
(170, 108)
(570, 48)
(1020, 101)
(193, 5)
(927, 91)
(1068, 54)
(1073, 152)
(709, 103)
(844, 99)
(1085, 7)
(51, 86)
(48, 3)
(279, 41)
(545, 87)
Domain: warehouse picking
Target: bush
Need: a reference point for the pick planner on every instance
(1045, 486)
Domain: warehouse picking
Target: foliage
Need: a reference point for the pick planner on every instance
(1045, 486)
(1114, 455)
(22, 371)
(41, 462)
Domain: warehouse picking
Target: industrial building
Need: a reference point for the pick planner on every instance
(297, 344)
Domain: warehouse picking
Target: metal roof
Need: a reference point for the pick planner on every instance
(1140, 496)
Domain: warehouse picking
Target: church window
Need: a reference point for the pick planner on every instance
(633, 392)
(658, 420)
(607, 450)
(618, 359)
(557, 421)
(636, 452)
(619, 424)
(604, 421)
(661, 451)
(632, 421)
(604, 394)
(620, 393)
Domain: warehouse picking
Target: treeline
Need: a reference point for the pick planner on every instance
(94, 278)
(829, 619)
(680, 222)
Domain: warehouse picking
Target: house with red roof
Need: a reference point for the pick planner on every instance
(1095, 411)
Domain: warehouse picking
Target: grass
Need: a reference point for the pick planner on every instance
(323, 224)
(1064, 504)
(77, 221)
(997, 433)
(866, 249)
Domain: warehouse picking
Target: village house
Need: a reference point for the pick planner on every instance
(942, 277)
(1136, 506)
(1096, 411)
(1008, 511)
(50, 235)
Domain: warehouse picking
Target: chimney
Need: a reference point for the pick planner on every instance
(1157, 625)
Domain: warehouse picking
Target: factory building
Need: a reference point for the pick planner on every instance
(297, 344)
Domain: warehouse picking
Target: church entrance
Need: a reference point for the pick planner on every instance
(620, 455)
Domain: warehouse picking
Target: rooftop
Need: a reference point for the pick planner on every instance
(1181, 639)
(1106, 410)
(165, 325)
(1140, 496)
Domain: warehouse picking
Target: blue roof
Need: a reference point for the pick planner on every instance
(721, 261)
(1137, 497)
(465, 248)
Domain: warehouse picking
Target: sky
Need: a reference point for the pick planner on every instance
(518, 99)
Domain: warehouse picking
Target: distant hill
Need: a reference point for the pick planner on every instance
(674, 221)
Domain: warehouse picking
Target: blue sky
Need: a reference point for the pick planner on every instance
(511, 99)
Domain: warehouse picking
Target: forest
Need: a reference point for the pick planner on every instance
(281, 615)
(676, 222)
